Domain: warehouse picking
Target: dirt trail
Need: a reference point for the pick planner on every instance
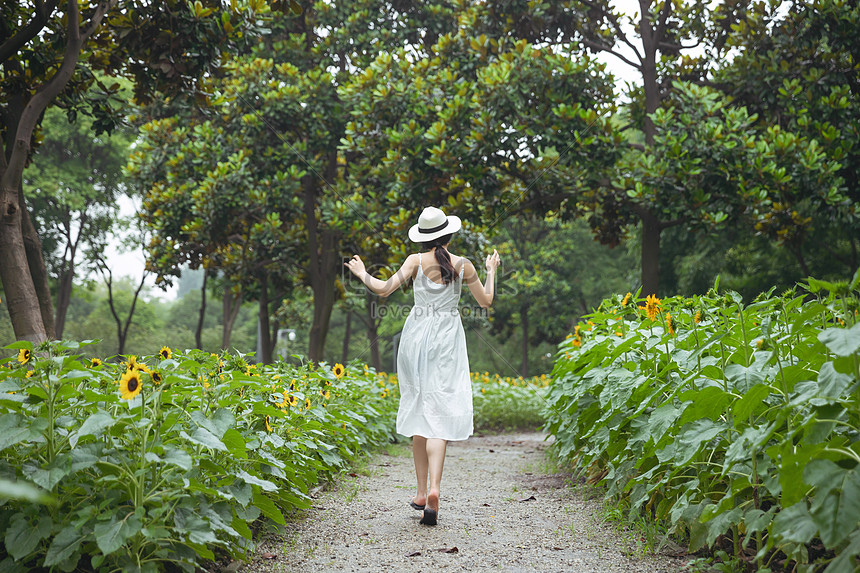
(499, 511)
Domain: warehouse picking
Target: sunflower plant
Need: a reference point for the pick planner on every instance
(735, 425)
(137, 462)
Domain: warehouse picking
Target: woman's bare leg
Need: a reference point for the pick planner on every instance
(435, 449)
(419, 454)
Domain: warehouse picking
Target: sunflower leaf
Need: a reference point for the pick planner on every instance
(92, 426)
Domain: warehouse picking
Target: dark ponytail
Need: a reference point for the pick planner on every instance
(442, 256)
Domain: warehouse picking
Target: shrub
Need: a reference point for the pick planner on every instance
(736, 424)
(167, 458)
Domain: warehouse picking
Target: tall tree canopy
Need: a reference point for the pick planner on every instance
(49, 53)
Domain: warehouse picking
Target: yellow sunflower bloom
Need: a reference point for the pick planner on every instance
(670, 323)
(24, 355)
(307, 403)
(339, 370)
(132, 363)
(698, 318)
(626, 299)
(130, 384)
(293, 400)
(652, 306)
(165, 353)
(157, 378)
(268, 426)
(95, 362)
(29, 373)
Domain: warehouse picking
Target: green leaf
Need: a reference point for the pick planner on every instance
(92, 426)
(841, 341)
(15, 429)
(845, 561)
(63, 546)
(24, 491)
(268, 507)
(217, 424)
(263, 484)
(205, 438)
(177, 457)
(795, 524)
(235, 443)
(22, 537)
(111, 535)
(751, 400)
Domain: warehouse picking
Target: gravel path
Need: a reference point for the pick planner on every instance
(499, 511)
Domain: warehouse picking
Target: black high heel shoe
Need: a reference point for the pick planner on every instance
(429, 517)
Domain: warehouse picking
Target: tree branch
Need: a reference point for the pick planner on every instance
(660, 30)
(672, 223)
(613, 21)
(604, 48)
(96, 21)
(28, 32)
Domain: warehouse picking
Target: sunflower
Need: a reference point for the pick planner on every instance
(130, 384)
(293, 400)
(626, 299)
(165, 353)
(29, 373)
(307, 403)
(156, 376)
(24, 355)
(95, 362)
(268, 426)
(698, 318)
(339, 370)
(652, 306)
(132, 363)
(293, 386)
(670, 323)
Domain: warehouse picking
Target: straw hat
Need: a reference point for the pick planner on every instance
(432, 224)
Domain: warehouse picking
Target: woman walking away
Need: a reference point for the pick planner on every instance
(432, 364)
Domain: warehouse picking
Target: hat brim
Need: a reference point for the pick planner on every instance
(453, 225)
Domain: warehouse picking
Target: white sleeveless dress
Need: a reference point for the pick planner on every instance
(432, 364)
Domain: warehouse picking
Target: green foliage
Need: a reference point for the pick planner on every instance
(168, 458)
(736, 424)
(508, 404)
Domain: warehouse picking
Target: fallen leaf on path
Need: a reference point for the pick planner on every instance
(557, 548)
(269, 556)
(448, 550)
(353, 475)
(486, 505)
(529, 498)
(413, 554)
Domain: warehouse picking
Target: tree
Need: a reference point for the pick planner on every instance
(797, 70)
(554, 273)
(49, 52)
(488, 126)
(74, 184)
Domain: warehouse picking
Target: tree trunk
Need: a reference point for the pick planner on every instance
(263, 316)
(231, 306)
(198, 334)
(38, 272)
(373, 334)
(322, 267)
(524, 322)
(24, 278)
(64, 297)
(346, 336)
(650, 253)
(21, 298)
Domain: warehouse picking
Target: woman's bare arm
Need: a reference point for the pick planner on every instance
(483, 293)
(380, 287)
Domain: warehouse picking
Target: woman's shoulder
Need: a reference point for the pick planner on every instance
(459, 261)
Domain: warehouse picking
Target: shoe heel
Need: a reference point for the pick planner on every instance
(429, 517)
